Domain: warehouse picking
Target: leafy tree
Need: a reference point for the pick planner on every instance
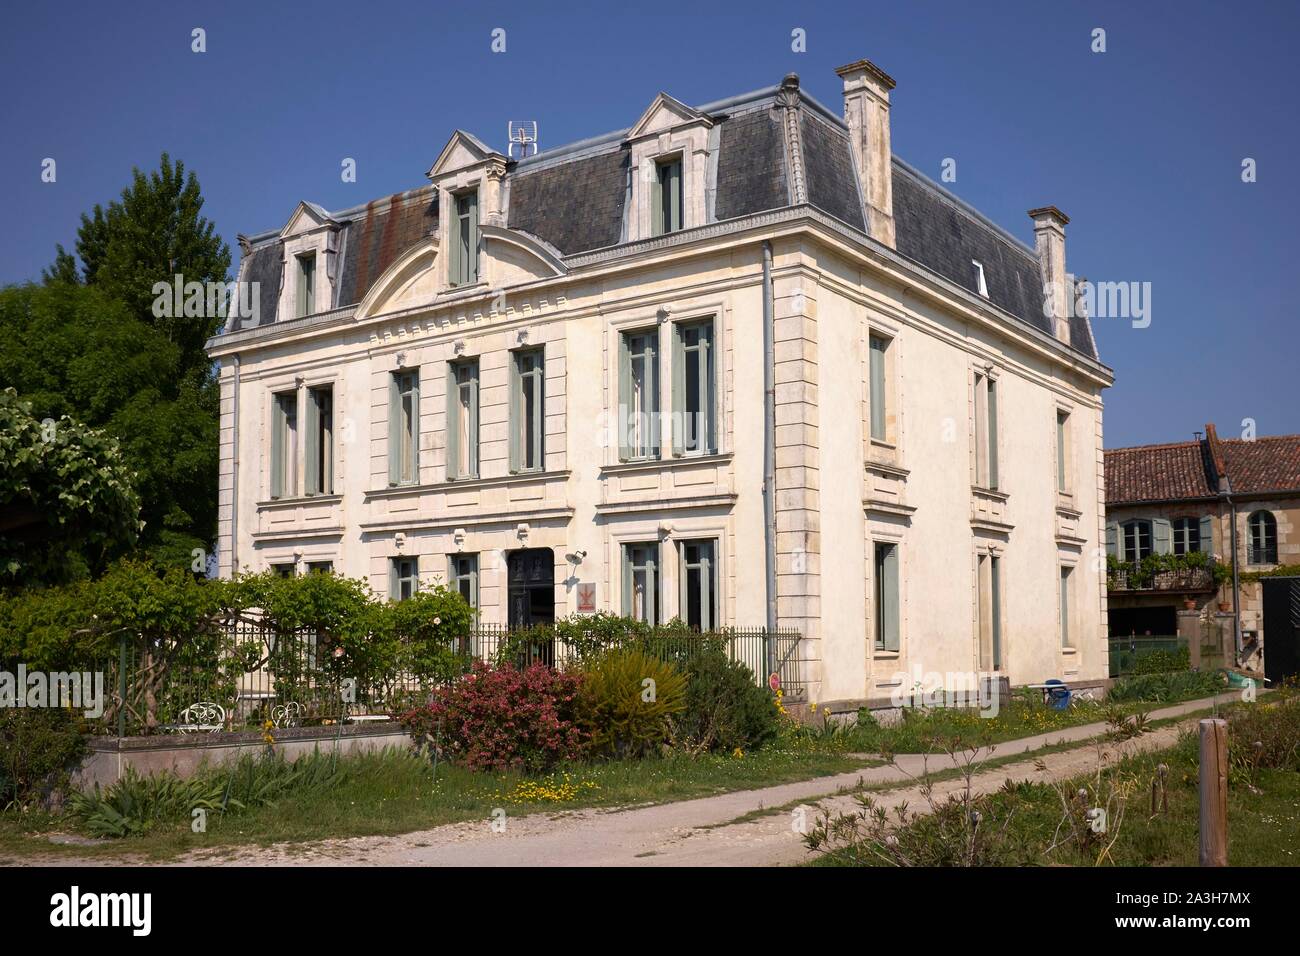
(66, 499)
(72, 350)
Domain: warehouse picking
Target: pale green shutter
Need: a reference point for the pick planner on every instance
(679, 393)
(657, 203)
(1112, 539)
(624, 397)
(394, 429)
(995, 586)
(627, 581)
(652, 585)
(414, 456)
(1060, 453)
(393, 592)
(456, 261)
(311, 445)
(1065, 608)
(472, 265)
(278, 429)
(708, 384)
(472, 430)
(652, 389)
(993, 433)
(1162, 537)
(707, 621)
(674, 198)
(877, 383)
(890, 597)
(1207, 534)
(516, 412)
(453, 423)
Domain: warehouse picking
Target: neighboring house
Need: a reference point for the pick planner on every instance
(1183, 498)
(543, 382)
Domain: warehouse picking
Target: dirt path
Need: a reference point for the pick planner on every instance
(722, 830)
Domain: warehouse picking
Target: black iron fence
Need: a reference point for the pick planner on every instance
(250, 676)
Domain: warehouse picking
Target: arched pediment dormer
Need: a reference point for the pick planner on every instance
(410, 281)
(670, 147)
(519, 256)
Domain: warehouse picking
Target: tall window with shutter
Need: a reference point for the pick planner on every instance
(641, 582)
(403, 578)
(306, 292)
(885, 569)
(404, 428)
(284, 444)
(695, 429)
(463, 260)
(1067, 577)
(989, 593)
(318, 454)
(638, 395)
(667, 199)
(462, 420)
(879, 385)
(986, 431)
(463, 577)
(1062, 451)
(698, 577)
(1262, 538)
(527, 410)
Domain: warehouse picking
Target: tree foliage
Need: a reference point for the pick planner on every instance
(67, 504)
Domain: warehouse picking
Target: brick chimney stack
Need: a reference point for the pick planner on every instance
(866, 112)
(1058, 287)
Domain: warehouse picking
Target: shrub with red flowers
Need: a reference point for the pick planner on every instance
(498, 718)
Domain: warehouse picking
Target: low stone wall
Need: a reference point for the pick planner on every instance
(186, 753)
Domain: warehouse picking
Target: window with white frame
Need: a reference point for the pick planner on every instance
(463, 259)
(284, 444)
(695, 428)
(698, 580)
(527, 410)
(404, 427)
(986, 431)
(403, 578)
(885, 570)
(638, 395)
(641, 582)
(667, 199)
(318, 454)
(989, 592)
(1262, 539)
(306, 297)
(462, 419)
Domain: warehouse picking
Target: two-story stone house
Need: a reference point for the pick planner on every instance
(1217, 496)
(736, 364)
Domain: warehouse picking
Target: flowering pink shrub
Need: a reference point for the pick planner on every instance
(497, 718)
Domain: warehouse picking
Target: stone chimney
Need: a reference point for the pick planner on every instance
(1058, 287)
(866, 112)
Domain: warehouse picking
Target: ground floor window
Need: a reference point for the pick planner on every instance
(463, 577)
(699, 584)
(990, 612)
(886, 593)
(404, 578)
(640, 582)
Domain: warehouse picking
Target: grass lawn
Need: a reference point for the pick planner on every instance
(391, 793)
(1020, 823)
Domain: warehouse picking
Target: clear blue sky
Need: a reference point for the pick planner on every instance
(1141, 146)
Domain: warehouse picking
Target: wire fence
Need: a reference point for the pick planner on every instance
(1127, 652)
(246, 674)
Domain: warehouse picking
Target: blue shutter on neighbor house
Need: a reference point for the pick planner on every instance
(1162, 537)
(1207, 534)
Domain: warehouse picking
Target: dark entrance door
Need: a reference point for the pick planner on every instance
(1281, 628)
(531, 574)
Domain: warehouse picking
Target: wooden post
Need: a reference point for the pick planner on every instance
(1214, 792)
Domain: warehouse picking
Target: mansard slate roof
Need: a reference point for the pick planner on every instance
(1186, 470)
(573, 197)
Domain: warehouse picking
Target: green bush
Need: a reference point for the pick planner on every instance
(1161, 688)
(725, 709)
(628, 700)
(38, 750)
(1162, 661)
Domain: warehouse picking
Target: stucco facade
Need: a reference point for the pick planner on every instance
(916, 477)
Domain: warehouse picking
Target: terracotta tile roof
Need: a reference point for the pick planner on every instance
(1183, 470)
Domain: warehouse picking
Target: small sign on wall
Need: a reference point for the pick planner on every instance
(586, 597)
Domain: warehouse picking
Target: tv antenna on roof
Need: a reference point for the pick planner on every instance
(523, 135)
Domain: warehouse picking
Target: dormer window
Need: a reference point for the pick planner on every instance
(667, 198)
(981, 286)
(306, 299)
(464, 239)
